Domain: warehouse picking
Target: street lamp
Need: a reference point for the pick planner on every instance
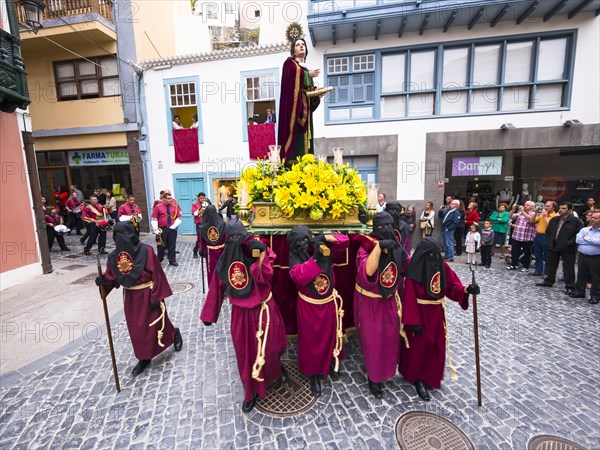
(34, 11)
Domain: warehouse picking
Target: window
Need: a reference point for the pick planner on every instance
(261, 88)
(93, 77)
(182, 98)
(482, 77)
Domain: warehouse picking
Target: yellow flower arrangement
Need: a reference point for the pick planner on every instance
(310, 188)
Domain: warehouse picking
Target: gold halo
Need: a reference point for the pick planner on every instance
(293, 32)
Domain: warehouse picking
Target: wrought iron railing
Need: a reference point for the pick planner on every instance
(68, 8)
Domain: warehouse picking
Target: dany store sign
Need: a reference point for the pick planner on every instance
(81, 158)
(476, 165)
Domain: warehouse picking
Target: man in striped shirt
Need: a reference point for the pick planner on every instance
(522, 236)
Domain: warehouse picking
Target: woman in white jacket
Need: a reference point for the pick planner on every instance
(426, 220)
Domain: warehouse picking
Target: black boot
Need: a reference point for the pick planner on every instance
(178, 340)
(284, 374)
(249, 406)
(422, 391)
(375, 389)
(140, 367)
(195, 254)
(315, 385)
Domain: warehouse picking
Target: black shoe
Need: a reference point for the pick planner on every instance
(173, 263)
(594, 301)
(284, 375)
(82, 240)
(86, 252)
(176, 251)
(315, 385)
(195, 255)
(422, 391)
(249, 406)
(103, 252)
(178, 340)
(570, 292)
(66, 249)
(161, 259)
(140, 367)
(375, 389)
(544, 284)
(79, 234)
(574, 294)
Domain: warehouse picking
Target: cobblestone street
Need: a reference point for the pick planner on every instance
(540, 360)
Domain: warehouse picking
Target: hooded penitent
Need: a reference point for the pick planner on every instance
(128, 260)
(234, 264)
(299, 240)
(213, 226)
(395, 209)
(427, 267)
(390, 262)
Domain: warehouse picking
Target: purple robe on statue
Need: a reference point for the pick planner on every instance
(377, 323)
(138, 313)
(426, 358)
(317, 324)
(245, 314)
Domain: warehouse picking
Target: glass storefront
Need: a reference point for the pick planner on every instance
(553, 174)
(88, 169)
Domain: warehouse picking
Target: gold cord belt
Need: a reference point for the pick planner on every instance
(215, 247)
(161, 317)
(339, 314)
(363, 291)
(259, 362)
(442, 301)
(149, 284)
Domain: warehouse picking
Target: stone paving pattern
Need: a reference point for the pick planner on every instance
(540, 359)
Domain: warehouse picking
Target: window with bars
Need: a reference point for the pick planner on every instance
(260, 88)
(92, 77)
(182, 94)
(183, 106)
(481, 77)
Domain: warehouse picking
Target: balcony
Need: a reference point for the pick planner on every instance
(83, 10)
(13, 81)
(333, 20)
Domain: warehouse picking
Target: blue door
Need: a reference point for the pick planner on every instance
(187, 187)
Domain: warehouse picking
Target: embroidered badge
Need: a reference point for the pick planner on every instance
(434, 285)
(389, 275)
(398, 235)
(213, 234)
(321, 283)
(124, 263)
(238, 275)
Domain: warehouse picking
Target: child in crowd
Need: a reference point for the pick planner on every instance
(487, 244)
(472, 243)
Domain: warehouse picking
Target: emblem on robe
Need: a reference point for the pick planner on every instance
(389, 275)
(213, 234)
(321, 283)
(238, 275)
(124, 263)
(434, 284)
(398, 235)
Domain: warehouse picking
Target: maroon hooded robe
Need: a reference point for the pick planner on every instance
(426, 358)
(244, 325)
(317, 324)
(138, 313)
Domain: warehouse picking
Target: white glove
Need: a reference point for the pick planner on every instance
(154, 226)
(125, 219)
(176, 224)
(196, 212)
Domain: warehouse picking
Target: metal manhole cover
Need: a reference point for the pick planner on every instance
(87, 279)
(179, 288)
(73, 256)
(289, 398)
(547, 442)
(421, 430)
(74, 267)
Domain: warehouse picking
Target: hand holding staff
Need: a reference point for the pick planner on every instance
(476, 334)
(107, 320)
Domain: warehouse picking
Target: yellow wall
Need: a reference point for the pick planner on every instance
(154, 25)
(82, 141)
(46, 112)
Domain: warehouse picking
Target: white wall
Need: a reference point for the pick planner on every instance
(412, 133)
(4, 16)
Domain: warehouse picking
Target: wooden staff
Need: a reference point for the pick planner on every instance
(476, 334)
(202, 265)
(107, 320)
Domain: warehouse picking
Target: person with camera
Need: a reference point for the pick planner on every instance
(429, 282)
(522, 235)
(198, 208)
(377, 308)
(134, 266)
(319, 306)
(540, 244)
(244, 274)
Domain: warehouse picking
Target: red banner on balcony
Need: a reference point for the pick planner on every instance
(259, 139)
(186, 145)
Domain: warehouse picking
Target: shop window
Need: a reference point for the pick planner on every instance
(182, 95)
(92, 77)
(483, 77)
(260, 91)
